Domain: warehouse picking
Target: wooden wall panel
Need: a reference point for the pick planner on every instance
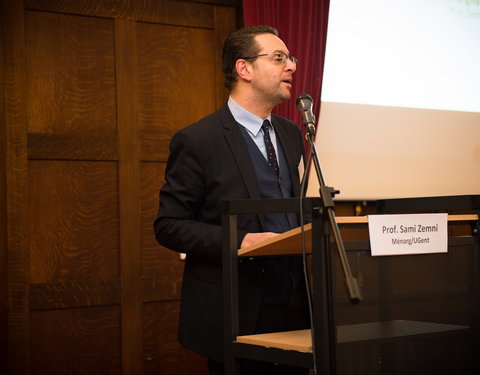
(93, 92)
(162, 352)
(73, 221)
(174, 91)
(70, 72)
(161, 268)
(74, 293)
(76, 341)
(224, 18)
(71, 86)
(15, 146)
(129, 189)
(173, 12)
(3, 218)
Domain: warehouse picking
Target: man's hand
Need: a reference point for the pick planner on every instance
(252, 238)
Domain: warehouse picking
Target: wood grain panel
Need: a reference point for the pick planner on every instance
(90, 293)
(129, 189)
(161, 288)
(3, 232)
(70, 71)
(162, 352)
(3, 215)
(72, 147)
(76, 341)
(82, 258)
(157, 261)
(15, 148)
(182, 13)
(155, 146)
(73, 221)
(75, 293)
(176, 78)
(225, 21)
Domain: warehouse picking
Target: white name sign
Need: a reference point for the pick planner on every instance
(408, 234)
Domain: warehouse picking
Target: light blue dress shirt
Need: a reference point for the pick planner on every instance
(253, 124)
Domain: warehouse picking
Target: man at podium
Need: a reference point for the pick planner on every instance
(241, 151)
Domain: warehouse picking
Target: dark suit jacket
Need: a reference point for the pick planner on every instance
(209, 163)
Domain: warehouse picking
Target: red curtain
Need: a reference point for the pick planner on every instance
(302, 25)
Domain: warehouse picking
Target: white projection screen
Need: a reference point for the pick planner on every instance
(400, 110)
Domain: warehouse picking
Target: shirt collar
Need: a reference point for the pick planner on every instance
(245, 118)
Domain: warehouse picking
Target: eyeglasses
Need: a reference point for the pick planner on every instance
(279, 56)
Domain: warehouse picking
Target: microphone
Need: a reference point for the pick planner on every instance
(304, 105)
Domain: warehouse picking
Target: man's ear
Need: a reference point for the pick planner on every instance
(244, 70)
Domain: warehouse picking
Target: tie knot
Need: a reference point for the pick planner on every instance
(266, 125)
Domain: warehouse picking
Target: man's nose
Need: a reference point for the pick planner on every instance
(290, 66)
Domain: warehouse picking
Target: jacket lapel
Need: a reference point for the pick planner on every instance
(239, 149)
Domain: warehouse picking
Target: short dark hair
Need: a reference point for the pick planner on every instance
(240, 44)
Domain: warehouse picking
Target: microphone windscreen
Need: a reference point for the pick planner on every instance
(304, 102)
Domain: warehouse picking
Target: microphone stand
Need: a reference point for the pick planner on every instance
(326, 194)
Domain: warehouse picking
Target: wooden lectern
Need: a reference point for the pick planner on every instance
(420, 313)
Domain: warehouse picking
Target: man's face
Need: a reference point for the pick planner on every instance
(271, 78)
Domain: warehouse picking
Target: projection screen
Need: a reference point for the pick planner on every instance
(400, 110)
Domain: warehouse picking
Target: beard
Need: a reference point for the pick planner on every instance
(273, 94)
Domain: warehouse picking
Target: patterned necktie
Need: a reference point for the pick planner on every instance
(271, 155)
